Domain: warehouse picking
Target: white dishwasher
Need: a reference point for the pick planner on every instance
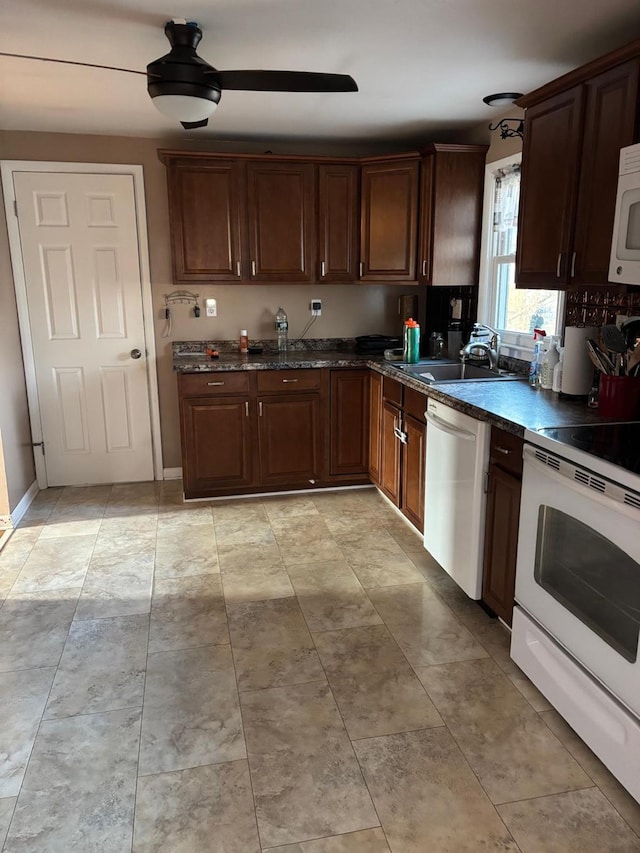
(455, 497)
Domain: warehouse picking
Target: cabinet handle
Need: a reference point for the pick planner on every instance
(253, 267)
(573, 265)
(322, 265)
(246, 408)
(502, 450)
(424, 268)
(361, 269)
(238, 271)
(558, 264)
(289, 380)
(260, 408)
(215, 383)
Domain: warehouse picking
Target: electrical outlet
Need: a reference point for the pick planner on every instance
(316, 307)
(211, 307)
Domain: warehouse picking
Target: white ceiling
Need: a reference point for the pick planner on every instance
(422, 66)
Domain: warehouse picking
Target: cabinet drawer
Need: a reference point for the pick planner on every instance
(415, 404)
(214, 382)
(506, 451)
(391, 390)
(288, 380)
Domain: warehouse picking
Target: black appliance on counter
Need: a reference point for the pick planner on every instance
(376, 344)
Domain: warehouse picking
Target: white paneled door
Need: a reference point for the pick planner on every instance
(80, 254)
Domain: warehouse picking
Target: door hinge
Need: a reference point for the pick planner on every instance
(15, 207)
(38, 444)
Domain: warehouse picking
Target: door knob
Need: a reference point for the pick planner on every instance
(136, 353)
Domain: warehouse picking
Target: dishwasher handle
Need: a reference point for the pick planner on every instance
(456, 432)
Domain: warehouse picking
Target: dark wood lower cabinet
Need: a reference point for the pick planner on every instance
(390, 452)
(216, 442)
(413, 465)
(349, 422)
(375, 426)
(289, 434)
(501, 526)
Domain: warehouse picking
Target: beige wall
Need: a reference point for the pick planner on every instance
(347, 310)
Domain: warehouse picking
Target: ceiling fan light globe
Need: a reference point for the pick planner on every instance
(184, 107)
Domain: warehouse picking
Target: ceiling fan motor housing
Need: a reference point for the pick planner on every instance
(182, 71)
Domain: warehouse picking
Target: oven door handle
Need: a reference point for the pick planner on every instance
(583, 491)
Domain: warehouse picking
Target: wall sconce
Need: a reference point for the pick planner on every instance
(504, 99)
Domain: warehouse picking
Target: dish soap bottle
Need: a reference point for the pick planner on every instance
(549, 361)
(282, 327)
(534, 367)
(411, 349)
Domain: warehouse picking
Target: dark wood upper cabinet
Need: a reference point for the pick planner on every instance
(281, 220)
(572, 141)
(338, 222)
(451, 190)
(609, 125)
(389, 219)
(206, 211)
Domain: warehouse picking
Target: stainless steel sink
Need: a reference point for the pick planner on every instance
(432, 373)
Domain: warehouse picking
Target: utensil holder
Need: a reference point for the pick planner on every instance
(619, 397)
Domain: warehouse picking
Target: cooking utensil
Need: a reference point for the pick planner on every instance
(615, 342)
(633, 364)
(600, 360)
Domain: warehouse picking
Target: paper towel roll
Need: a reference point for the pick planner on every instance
(577, 369)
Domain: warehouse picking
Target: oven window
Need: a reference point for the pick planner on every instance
(590, 576)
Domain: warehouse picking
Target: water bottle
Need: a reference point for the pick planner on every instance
(411, 350)
(282, 327)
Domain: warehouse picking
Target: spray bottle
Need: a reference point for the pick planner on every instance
(534, 367)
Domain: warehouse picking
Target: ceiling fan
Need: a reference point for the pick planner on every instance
(186, 88)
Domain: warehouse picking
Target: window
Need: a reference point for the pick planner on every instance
(514, 312)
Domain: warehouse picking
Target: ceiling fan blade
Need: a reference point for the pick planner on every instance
(71, 62)
(285, 81)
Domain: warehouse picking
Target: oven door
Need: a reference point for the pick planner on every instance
(578, 567)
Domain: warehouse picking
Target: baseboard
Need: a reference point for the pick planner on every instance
(172, 473)
(23, 505)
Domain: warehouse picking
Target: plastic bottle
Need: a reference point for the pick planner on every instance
(282, 327)
(244, 341)
(557, 371)
(549, 361)
(411, 350)
(538, 336)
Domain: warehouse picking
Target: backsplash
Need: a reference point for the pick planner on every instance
(592, 307)
(270, 345)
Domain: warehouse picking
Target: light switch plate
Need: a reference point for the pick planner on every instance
(211, 307)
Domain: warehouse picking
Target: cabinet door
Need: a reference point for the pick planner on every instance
(338, 223)
(610, 113)
(281, 218)
(216, 444)
(552, 141)
(390, 453)
(375, 426)
(501, 542)
(349, 438)
(452, 185)
(388, 221)
(205, 212)
(413, 465)
(289, 436)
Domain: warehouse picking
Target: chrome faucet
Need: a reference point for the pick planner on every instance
(490, 349)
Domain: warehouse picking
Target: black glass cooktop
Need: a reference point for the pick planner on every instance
(615, 443)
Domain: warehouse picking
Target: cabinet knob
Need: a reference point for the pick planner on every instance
(573, 265)
(289, 380)
(253, 267)
(361, 269)
(424, 268)
(322, 268)
(215, 383)
(502, 450)
(559, 264)
(238, 270)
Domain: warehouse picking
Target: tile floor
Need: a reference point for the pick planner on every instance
(286, 674)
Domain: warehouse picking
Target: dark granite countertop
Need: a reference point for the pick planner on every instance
(510, 404)
(198, 363)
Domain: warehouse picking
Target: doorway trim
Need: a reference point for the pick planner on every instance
(7, 169)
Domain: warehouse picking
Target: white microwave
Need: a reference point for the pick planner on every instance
(624, 265)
